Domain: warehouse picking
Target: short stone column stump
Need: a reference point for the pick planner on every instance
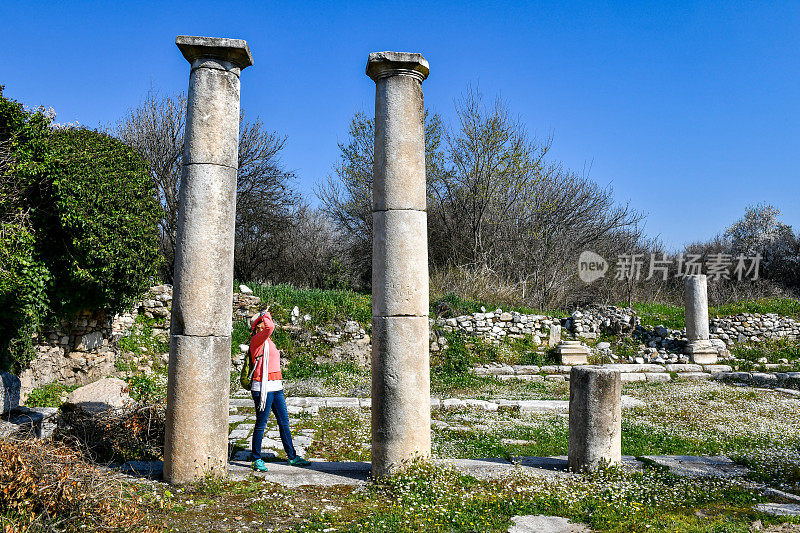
(595, 417)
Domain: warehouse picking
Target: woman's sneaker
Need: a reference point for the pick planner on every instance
(259, 465)
(299, 461)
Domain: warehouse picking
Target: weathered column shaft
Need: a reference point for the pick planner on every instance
(595, 417)
(695, 293)
(196, 437)
(400, 359)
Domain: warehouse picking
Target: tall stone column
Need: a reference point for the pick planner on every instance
(401, 418)
(196, 439)
(695, 295)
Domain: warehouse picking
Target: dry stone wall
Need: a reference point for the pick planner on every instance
(497, 325)
(83, 349)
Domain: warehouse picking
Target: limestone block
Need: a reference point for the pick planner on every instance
(203, 291)
(595, 417)
(234, 51)
(90, 341)
(400, 391)
(633, 376)
(662, 377)
(107, 393)
(555, 335)
(692, 376)
(399, 263)
(196, 437)
(696, 301)
(212, 118)
(399, 168)
(10, 386)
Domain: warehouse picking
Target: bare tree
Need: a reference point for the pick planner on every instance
(265, 199)
(346, 195)
(492, 170)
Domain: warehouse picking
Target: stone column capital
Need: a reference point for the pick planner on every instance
(385, 64)
(234, 51)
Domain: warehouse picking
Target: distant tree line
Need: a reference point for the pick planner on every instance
(506, 222)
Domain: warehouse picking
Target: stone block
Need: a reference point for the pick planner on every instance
(692, 376)
(713, 369)
(399, 263)
(525, 369)
(661, 377)
(212, 118)
(196, 436)
(677, 367)
(633, 376)
(399, 167)
(400, 391)
(232, 50)
(573, 359)
(595, 417)
(203, 291)
(10, 386)
(104, 394)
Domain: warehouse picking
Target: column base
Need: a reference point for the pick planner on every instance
(702, 352)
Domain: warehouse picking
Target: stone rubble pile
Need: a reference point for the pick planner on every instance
(591, 321)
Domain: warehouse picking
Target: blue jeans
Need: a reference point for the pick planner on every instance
(276, 402)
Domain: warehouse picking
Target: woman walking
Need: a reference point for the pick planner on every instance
(267, 391)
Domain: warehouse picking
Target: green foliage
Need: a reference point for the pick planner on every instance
(78, 225)
(452, 305)
(48, 395)
(147, 389)
(104, 222)
(305, 366)
(141, 336)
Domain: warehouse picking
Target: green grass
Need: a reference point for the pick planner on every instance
(772, 349)
(672, 316)
(452, 305)
(782, 306)
(48, 395)
(324, 306)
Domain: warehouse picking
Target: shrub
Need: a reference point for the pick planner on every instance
(103, 247)
(48, 487)
(78, 225)
(48, 395)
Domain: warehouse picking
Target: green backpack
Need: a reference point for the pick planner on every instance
(248, 369)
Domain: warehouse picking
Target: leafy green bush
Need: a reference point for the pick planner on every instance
(48, 395)
(102, 246)
(78, 225)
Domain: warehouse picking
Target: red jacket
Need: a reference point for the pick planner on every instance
(257, 344)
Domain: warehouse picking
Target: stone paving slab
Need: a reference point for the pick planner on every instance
(779, 509)
(692, 466)
(545, 524)
(319, 473)
(557, 466)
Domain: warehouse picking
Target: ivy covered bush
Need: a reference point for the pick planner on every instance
(78, 225)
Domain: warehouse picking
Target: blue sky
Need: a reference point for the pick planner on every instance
(690, 110)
